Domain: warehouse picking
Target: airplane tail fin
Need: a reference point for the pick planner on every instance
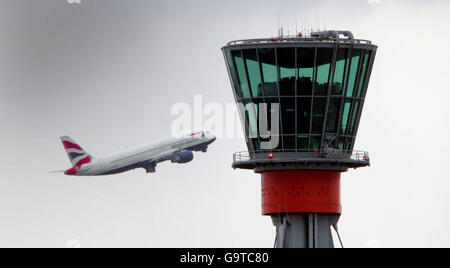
(77, 155)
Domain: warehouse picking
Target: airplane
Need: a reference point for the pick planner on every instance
(177, 150)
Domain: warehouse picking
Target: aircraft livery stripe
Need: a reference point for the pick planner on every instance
(70, 145)
(73, 155)
(83, 161)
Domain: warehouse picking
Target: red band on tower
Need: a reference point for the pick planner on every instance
(301, 191)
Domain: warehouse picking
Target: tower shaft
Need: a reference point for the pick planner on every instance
(304, 230)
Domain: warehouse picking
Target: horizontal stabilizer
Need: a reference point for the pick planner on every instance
(58, 171)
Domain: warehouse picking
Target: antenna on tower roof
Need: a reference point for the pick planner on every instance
(278, 23)
(315, 21)
(288, 25)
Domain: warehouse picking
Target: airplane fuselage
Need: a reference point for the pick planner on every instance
(177, 150)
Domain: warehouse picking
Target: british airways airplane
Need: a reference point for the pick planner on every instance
(177, 150)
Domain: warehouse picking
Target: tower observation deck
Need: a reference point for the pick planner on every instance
(300, 101)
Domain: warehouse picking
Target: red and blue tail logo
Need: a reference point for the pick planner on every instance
(76, 154)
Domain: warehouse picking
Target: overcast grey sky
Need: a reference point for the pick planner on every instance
(108, 72)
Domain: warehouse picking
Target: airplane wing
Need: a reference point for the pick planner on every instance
(167, 155)
(151, 166)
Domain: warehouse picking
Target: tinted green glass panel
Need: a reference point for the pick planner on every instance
(339, 72)
(324, 59)
(355, 113)
(253, 71)
(323, 72)
(256, 144)
(271, 105)
(286, 65)
(318, 115)
(356, 55)
(264, 123)
(252, 110)
(289, 143)
(234, 77)
(240, 67)
(247, 129)
(307, 73)
(302, 143)
(287, 74)
(269, 71)
(345, 116)
(251, 124)
(305, 63)
(348, 144)
(288, 115)
(362, 76)
(341, 143)
(333, 113)
(315, 143)
(303, 115)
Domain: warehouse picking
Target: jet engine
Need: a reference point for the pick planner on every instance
(183, 157)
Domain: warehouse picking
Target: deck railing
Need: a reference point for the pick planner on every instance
(301, 155)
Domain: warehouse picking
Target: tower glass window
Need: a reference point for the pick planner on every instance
(288, 115)
(333, 113)
(269, 71)
(254, 74)
(242, 73)
(305, 72)
(318, 114)
(296, 79)
(234, 79)
(302, 143)
(252, 127)
(345, 116)
(303, 115)
(354, 116)
(356, 55)
(286, 67)
(339, 72)
(323, 66)
(363, 69)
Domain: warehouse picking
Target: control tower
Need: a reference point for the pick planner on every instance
(300, 100)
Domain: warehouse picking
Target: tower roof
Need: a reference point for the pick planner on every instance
(323, 37)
